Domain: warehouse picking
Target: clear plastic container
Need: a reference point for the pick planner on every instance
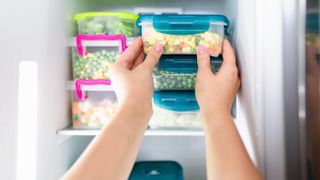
(181, 34)
(175, 110)
(179, 72)
(94, 54)
(106, 23)
(92, 104)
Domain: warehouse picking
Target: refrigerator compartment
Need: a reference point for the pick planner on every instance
(156, 170)
(175, 110)
(181, 34)
(106, 23)
(91, 109)
(179, 72)
(93, 62)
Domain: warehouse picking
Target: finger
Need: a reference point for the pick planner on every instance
(138, 60)
(129, 55)
(203, 60)
(153, 57)
(229, 58)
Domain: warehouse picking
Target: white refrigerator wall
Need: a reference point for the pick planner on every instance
(38, 32)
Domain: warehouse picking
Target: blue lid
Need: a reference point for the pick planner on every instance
(184, 63)
(312, 23)
(157, 170)
(176, 100)
(184, 24)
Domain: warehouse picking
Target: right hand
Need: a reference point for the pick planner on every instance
(215, 92)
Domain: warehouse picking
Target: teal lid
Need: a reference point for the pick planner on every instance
(156, 170)
(176, 100)
(184, 24)
(185, 63)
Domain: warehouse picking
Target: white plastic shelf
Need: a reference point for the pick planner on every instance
(70, 131)
(72, 42)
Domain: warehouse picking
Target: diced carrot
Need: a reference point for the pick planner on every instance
(75, 108)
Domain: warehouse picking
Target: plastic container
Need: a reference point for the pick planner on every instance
(179, 72)
(92, 104)
(181, 34)
(106, 23)
(175, 110)
(156, 170)
(94, 54)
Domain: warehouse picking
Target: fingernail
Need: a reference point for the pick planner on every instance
(201, 49)
(159, 48)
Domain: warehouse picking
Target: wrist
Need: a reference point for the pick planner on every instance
(214, 114)
(141, 111)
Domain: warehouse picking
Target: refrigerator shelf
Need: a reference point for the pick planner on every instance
(70, 131)
(73, 43)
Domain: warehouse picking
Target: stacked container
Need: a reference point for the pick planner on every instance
(93, 103)
(174, 76)
(100, 39)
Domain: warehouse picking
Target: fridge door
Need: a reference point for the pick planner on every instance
(312, 77)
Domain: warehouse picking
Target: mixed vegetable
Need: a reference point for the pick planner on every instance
(182, 44)
(92, 113)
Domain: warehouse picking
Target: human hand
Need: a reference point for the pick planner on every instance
(215, 92)
(131, 76)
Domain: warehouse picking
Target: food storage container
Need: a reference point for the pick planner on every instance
(93, 103)
(181, 34)
(106, 23)
(156, 170)
(179, 72)
(93, 55)
(175, 110)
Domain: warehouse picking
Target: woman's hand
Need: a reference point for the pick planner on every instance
(215, 92)
(225, 151)
(131, 77)
(112, 153)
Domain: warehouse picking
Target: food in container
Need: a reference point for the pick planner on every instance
(179, 72)
(182, 34)
(94, 54)
(93, 104)
(108, 23)
(175, 110)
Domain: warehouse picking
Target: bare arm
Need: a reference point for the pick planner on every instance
(226, 155)
(112, 153)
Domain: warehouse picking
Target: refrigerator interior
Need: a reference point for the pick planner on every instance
(46, 27)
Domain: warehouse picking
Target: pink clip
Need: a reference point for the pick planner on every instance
(117, 37)
(80, 82)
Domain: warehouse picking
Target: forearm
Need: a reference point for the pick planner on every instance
(112, 153)
(226, 155)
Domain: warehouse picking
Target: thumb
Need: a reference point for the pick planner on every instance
(203, 60)
(153, 57)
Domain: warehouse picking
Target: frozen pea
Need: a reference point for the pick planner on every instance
(86, 67)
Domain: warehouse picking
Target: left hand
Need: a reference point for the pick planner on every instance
(131, 76)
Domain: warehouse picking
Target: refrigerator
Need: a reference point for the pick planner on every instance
(35, 67)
